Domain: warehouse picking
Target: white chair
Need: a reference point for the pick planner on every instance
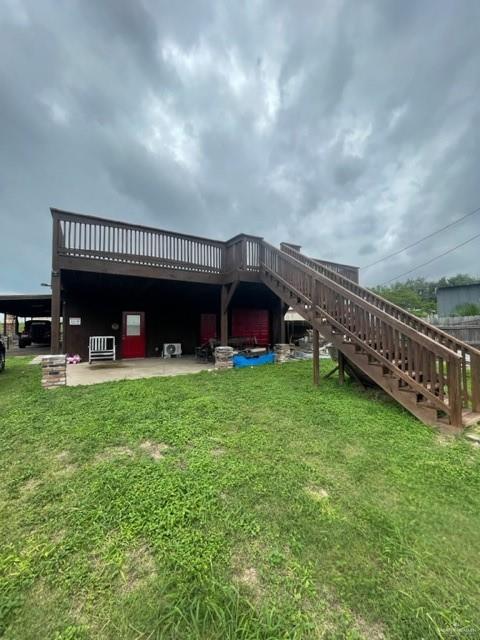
(101, 348)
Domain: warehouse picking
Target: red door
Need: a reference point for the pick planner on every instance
(208, 327)
(133, 334)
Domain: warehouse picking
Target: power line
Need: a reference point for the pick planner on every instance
(414, 244)
(424, 264)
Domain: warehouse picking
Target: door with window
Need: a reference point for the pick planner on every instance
(133, 334)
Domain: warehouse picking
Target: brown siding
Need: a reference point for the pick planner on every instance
(172, 309)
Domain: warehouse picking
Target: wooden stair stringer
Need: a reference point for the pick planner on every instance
(389, 383)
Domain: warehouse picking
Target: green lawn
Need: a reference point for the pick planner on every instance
(244, 504)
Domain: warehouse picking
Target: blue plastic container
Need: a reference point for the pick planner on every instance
(241, 361)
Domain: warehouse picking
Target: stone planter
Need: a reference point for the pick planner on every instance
(54, 371)
(282, 353)
(223, 357)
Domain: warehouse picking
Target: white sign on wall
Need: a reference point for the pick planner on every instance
(75, 321)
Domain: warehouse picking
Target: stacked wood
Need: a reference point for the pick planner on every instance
(54, 371)
(223, 357)
(282, 353)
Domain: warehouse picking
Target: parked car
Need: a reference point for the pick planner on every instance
(35, 332)
(2, 356)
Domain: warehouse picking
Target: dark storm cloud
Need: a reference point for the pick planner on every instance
(352, 128)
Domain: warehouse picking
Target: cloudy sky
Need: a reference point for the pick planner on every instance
(352, 128)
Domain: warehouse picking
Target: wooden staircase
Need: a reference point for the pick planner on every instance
(431, 374)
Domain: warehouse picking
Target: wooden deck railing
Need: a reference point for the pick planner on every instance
(469, 356)
(429, 362)
(81, 236)
(100, 239)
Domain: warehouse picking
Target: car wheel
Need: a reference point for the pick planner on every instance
(2, 362)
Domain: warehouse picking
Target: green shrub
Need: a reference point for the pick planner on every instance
(467, 309)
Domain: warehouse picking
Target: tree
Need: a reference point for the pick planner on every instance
(419, 296)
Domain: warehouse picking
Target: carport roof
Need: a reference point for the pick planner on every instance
(27, 306)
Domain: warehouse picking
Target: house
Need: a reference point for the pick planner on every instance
(148, 286)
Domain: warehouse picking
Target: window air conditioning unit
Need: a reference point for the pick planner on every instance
(172, 349)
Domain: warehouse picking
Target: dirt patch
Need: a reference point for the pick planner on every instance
(353, 451)
(139, 567)
(370, 631)
(249, 577)
(29, 486)
(58, 536)
(113, 452)
(155, 450)
(62, 457)
(244, 572)
(316, 493)
(445, 439)
(66, 468)
(219, 451)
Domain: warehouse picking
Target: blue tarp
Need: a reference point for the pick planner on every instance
(242, 361)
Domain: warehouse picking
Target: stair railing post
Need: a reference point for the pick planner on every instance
(316, 357)
(341, 367)
(454, 392)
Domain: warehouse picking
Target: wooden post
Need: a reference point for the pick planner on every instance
(278, 322)
(341, 367)
(56, 307)
(454, 393)
(283, 311)
(316, 357)
(475, 373)
(56, 289)
(5, 323)
(224, 316)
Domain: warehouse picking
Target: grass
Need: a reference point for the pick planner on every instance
(245, 504)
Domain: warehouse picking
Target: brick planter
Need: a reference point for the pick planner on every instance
(282, 353)
(223, 357)
(54, 371)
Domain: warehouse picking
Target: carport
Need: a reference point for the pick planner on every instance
(27, 306)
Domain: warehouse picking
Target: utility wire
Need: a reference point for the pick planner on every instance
(414, 244)
(424, 264)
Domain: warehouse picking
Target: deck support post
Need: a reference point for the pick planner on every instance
(341, 367)
(224, 316)
(454, 393)
(475, 371)
(316, 357)
(5, 323)
(278, 322)
(56, 309)
(225, 299)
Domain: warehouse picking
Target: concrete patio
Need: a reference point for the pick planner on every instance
(84, 373)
